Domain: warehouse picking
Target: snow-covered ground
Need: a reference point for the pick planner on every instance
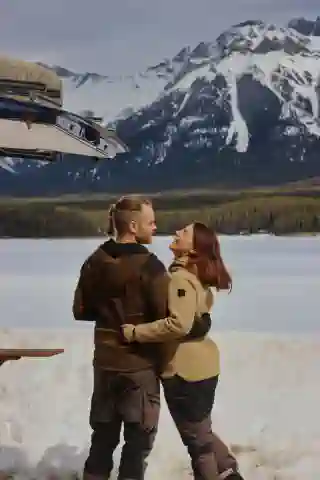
(267, 407)
(267, 403)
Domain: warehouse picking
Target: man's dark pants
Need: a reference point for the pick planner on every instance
(131, 400)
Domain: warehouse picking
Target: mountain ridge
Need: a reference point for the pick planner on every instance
(242, 110)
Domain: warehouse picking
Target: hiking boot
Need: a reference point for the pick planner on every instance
(230, 474)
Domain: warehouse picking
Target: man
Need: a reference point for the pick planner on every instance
(121, 282)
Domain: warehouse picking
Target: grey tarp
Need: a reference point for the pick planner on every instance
(15, 71)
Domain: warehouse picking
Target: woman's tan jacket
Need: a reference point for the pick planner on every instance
(195, 359)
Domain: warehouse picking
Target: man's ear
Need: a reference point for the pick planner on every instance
(133, 226)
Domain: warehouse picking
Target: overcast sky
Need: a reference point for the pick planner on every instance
(124, 36)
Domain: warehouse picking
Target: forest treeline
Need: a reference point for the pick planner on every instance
(280, 215)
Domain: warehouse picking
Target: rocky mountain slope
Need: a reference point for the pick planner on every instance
(242, 110)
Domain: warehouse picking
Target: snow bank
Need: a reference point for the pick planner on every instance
(267, 408)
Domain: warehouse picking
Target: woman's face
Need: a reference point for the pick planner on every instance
(182, 242)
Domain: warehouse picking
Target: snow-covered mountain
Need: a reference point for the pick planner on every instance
(242, 109)
(113, 97)
(247, 59)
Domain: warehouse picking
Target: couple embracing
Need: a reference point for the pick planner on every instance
(151, 328)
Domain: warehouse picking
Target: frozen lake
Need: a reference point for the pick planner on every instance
(276, 282)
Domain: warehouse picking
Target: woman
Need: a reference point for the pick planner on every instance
(191, 365)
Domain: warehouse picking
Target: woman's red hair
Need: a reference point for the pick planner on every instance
(211, 269)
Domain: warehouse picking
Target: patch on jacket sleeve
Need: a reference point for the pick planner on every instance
(181, 292)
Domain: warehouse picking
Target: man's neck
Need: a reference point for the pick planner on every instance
(126, 238)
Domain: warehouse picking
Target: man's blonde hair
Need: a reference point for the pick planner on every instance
(123, 212)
